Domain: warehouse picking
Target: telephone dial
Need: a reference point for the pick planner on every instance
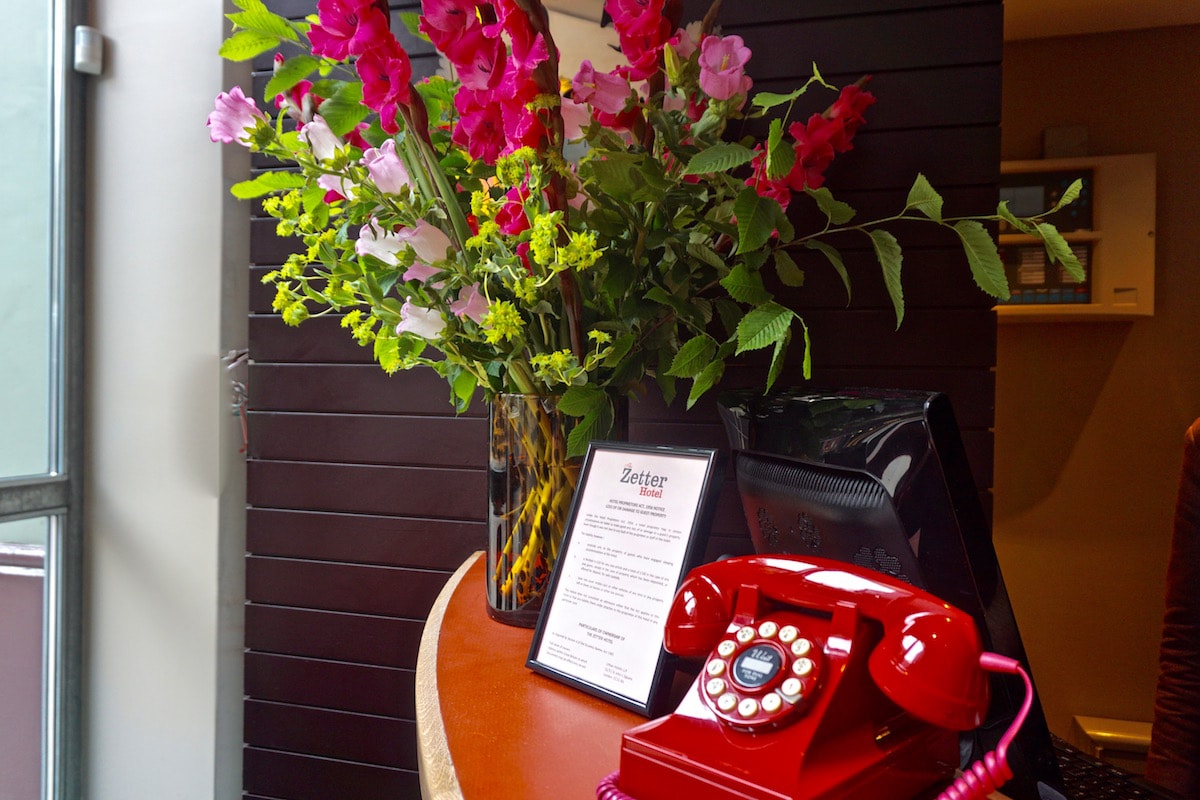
(819, 680)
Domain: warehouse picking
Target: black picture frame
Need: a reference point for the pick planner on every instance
(627, 522)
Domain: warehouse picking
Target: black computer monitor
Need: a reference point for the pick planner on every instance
(881, 478)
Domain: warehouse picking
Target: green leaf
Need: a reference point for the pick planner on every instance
(763, 327)
(1059, 250)
(1069, 196)
(807, 351)
(266, 183)
(257, 17)
(719, 158)
(344, 109)
(620, 349)
(887, 251)
(781, 157)
(788, 270)
(245, 45)
(837, 212)
(1012, 219)
(695, 354)
(288, 74)
(387, 353)
(462, 389)
(777, 360)
(412, 22)
(924, 198)
(702, 252)
(765, 100)
(596, 424)
(835, 259)
(705, 381)
(986, 267)
(745, 286)
(755, 219)
(578, 401)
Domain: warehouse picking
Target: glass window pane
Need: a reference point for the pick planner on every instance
(22, 600)
(25, 207)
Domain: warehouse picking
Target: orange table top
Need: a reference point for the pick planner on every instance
(491, 729)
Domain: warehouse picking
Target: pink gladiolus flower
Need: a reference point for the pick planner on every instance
(480, 128)
(723, 67)
(385, 72)
(233, 116)
(347, 27)
(385, 168)
(427, 323)
(375, 241)
(511, 217)
(637, 17)
(470, 304)
(478, 59)
(427, 241)
(600, 90)
(444, 20)
(323, 142)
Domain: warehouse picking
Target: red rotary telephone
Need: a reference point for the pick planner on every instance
(820, 681)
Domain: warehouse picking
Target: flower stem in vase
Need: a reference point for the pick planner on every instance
(531, 483)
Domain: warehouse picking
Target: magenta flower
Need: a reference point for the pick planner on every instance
(601, 90)
(385, 167)
(470, 304)
(427, 323)
(444, 20)
(478, 60)
(480, 127)
(511, 217)
(385, 72)
(233, 117)
(347, 27)
(723, 67)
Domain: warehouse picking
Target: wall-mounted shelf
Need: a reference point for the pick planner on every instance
(1113, 226)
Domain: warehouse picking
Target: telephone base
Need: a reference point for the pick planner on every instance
(652, 769)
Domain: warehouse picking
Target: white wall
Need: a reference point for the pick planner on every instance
(162, 606)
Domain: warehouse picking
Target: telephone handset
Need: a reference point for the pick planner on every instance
(820, 680)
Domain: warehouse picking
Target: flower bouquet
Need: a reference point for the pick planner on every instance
(522, 233)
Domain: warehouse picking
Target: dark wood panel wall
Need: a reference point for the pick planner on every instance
(365, 491)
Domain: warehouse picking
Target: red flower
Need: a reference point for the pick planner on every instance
(385, 72)
(347, 27)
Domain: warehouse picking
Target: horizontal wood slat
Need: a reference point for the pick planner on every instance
(358, 388)
(368, 489)
(370, 439)
(330, 586)
(385, 691)
(342, 735)
(827, 41)
(357, 638)
(351, 538)
(297, 777)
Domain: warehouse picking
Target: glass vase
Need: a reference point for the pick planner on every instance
(531, 482)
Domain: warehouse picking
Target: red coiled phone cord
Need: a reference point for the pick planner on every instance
(991, 772)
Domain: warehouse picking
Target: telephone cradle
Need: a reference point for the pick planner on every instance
(819, 680)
